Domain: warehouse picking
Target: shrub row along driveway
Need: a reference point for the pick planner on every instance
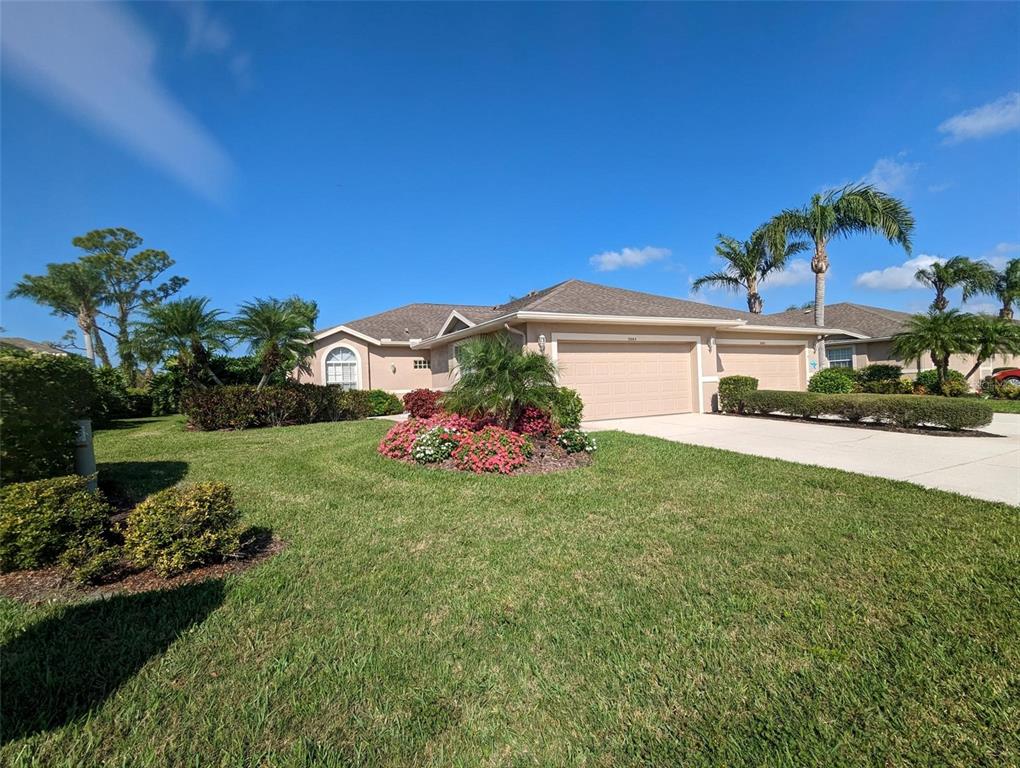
(982, 467)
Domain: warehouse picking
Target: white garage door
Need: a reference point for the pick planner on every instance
(621, 380)
(774, 367)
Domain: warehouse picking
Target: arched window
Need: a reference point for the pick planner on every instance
(342, 368)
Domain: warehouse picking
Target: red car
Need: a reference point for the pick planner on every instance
(1008, 376)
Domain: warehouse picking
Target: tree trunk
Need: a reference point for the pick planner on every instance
(819, 265)
(262, 382)
(754, 303)
(972, 371)
(100, 347)
(86, 332)
(127, 356)
(941, 302)
(1006, 313)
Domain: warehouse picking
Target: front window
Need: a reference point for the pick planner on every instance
(342, 368)
(840, 357)
(421, 365)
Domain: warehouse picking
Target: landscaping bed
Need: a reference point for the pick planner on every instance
(835, 421)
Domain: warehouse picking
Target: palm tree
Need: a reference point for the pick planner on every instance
(854, 209)
(279, 332)
(1007, 288)
(993, 336)
(748, 263)
(497, 378)
(188, 329)
(72, 290)
(939, 334)
(973, 276)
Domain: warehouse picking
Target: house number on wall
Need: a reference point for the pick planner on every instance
(632, 338)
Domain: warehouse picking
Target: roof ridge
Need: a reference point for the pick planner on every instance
(552, 290)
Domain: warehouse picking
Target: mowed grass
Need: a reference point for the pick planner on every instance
(1004, 406)
(670, 605)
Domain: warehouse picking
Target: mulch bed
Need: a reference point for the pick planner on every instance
(548, 457)
(50, 585)
(879, 426)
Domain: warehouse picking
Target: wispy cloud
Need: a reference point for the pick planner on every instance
(892, 174)
(999, 116)
(936, 188)
(1001, 253)
(797, 272)
(627, 257)
(897, 278)
(210, 35)
(95, 62)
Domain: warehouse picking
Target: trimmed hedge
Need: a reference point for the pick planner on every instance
(423, 403)
(384, 403)
(732, 389)
(833, 381)
(245, 407)
(41, 398)
(901, 410)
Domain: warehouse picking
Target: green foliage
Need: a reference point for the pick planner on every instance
(929, 380)
(190, 331)
(41, 398)
(279, 332)
(939, 335)
(183, 527)
(111, 400)
(1007, 288)
(42, 519)
(91, 559)
(497, 378)
(974, 277)
(879, 372)
(901, 410)
(576, 441)
(247, 407)
(567, 408)
(732, 390)
(384, 403)
(833, 381)
(166, 389)
(888, 387)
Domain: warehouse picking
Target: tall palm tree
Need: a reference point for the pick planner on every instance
(748, 263)
(939, 334)
(852, 210)
(973, 276)
(72, 290)
(188, 329)
(1007, 288)
(497, 378)
(993, 336)
(279, 332)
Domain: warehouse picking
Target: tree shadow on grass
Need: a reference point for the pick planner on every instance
(124, 424)
(128, 482)
(67, 665)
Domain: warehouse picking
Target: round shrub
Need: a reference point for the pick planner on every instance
(879, 372)
(929, 380)
(183, 527)
(567, 408)
(534, 422)
(888, 387)
(492, 449)
(732, 390)
(833, 381)
(384, 403)
(422, 403)
(576, 441)
(41, 520)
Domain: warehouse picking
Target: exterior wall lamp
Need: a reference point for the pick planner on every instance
(541, 343)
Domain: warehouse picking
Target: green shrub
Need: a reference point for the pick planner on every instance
(384, 403)
(41, 520)
(245, 407)
(139, 403)
(183, 527)
(929, 380)
(833, 381)
(166, 390)
(954, 387)
(91, 560)
(111, 401)
(731, 392)
(567, 408)
(888, 387)
(879, 372)
(41, 398)
(576, 441)
(902, 410)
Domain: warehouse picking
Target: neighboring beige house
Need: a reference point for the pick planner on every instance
(27, 345)
(627, 353)
(868, 339)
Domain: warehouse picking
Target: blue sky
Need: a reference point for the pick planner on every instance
(371, 155)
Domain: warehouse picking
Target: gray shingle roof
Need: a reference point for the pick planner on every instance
(413, 321)
(30, 346)
(875, 322)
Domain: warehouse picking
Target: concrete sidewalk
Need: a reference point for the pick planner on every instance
(982, 467)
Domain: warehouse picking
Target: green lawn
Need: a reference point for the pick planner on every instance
(1004, 406)
(669, 605)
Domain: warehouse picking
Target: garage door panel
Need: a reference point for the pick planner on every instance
(622, 380)
(775, 367)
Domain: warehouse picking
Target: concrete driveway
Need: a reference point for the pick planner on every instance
(983, 467)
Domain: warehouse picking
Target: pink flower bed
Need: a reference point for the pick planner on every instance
(492, 449)
(399, 441)
(534, 421)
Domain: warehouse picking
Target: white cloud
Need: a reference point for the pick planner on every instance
(898, 278)
(892, 174)
(1002, 253)
(981, 307)
(797, 272)
(628, 257)
(209, 35)
(95, 62)
(999, 116)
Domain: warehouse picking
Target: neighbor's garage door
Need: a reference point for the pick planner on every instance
(620, 380)
(774, 367)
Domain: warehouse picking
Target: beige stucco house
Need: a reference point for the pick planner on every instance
(627, 353)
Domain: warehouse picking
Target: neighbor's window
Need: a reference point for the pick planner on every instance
(421, 365)
(342, 368)
(840, 357)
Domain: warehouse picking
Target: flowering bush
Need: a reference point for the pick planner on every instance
(492, 449)
(435, 444)
(399, 442)
(422, 403)
(575, 441)
(534, 421)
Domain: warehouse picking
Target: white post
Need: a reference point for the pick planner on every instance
(84, 454)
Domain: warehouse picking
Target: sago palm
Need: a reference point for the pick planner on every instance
(497, 378)
(279, 331)
(852, 210)
(938, 334)
(1007, 288)
(993, 336)
(188, 329)
(974, 277)
(748, 264)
